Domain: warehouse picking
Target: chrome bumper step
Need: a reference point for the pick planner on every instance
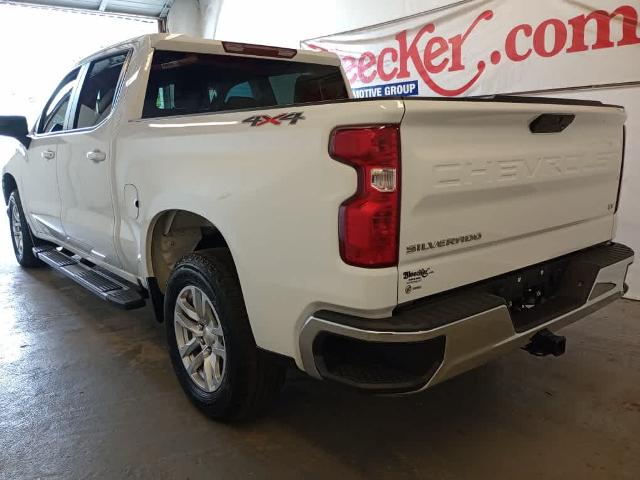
(442, 336)
(105, 285)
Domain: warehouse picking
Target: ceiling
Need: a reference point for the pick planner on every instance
(148, 8)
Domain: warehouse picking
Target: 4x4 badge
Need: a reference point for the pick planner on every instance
(259, 120)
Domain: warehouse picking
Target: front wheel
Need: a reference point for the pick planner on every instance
(20, 234)
(211, 345)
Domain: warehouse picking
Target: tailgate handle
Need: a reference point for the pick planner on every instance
(551, 122)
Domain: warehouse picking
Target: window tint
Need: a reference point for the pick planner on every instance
(55, 112)
(55, 121)
(186, 83)
(98, 91)
(284, 87)
(240, 90)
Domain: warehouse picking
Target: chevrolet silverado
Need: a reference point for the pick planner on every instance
(270, 218)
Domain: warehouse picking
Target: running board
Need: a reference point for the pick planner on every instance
(116, 291)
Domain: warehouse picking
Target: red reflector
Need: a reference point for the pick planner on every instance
(369, 221)
(259, 50)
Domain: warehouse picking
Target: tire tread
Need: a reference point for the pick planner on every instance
(262, 377)
(28, 260)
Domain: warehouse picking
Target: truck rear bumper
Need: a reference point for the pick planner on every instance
(433, 340)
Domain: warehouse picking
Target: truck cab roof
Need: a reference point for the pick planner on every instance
(185, 43)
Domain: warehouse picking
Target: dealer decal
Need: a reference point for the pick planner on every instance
(290, 118)
(414, 278)
(422, 273)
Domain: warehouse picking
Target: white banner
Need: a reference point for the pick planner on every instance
(493, 46)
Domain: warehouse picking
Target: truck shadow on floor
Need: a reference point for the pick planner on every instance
(394, 434)
(348, 425)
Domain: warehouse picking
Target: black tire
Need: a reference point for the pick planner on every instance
(25, 257)
(252, 378)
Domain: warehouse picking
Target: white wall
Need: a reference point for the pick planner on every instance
(285, 22)
(197, 18)
(184, 17)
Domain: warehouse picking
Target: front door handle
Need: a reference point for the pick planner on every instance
(96, 156)
(48, 154)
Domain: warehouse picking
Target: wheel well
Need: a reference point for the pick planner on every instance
(8, 185)
(175, 234)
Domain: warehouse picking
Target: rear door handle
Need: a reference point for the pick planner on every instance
(48, 154)
(96, 156)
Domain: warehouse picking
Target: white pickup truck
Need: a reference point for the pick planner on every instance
(270, 218)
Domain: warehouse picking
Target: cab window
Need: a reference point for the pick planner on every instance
(98, 91)
(183, 83)
(55, 112)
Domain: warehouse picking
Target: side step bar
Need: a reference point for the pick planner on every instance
(116, 291)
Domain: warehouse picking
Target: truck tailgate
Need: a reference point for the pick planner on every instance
(482, 195)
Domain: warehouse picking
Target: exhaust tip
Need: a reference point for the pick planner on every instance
(546, 343)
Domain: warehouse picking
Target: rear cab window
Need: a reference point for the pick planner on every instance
(182, 83)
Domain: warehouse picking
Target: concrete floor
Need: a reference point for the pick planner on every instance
(87, 391)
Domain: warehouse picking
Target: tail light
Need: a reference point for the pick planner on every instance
(369, 221)
(624, 146)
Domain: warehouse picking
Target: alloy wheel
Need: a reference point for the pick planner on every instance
(16, 229)
(200, 338)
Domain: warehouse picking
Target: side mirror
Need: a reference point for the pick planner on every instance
(16, 127)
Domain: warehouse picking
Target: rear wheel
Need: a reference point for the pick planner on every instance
(21, 237)
(211, 345)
